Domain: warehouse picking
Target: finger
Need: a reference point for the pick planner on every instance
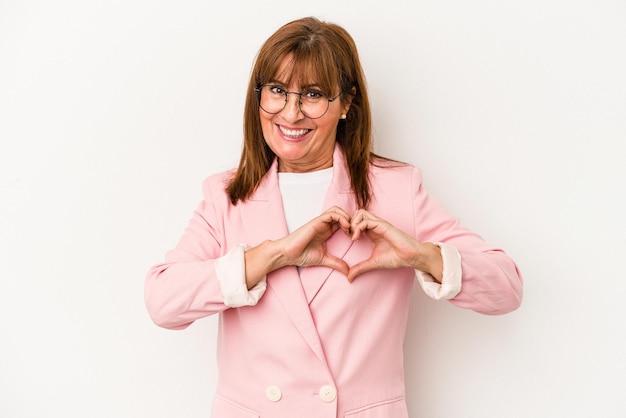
(356, 233)
(358, 218)
(339, 210)
(335, 263)
(341, 219)
(358, 229)
(360, 268)
(362, 214)
(363, 226)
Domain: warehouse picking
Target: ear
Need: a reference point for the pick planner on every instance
(347, 99)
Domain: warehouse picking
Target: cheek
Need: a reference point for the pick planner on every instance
(266, 123)
(327, 127)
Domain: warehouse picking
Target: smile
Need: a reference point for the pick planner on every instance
(293, 133)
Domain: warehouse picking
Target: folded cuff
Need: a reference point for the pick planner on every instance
(450, 284)
(231, 274)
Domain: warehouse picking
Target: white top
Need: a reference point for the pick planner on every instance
(303, 196)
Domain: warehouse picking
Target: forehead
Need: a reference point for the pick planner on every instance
(302, 72)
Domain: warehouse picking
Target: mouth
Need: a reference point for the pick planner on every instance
(293, 133)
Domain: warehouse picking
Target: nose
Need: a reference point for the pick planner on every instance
(292, 110)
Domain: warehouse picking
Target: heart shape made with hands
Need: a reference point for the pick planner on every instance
(390, 247)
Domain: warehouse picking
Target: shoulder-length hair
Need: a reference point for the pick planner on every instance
(323, 54)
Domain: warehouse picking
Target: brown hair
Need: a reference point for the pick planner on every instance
(325, 54)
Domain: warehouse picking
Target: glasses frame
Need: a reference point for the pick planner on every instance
(297, 93)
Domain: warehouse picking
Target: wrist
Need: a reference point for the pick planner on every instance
(428, 259)
(272, 255)
(260, 261)
(435, 262)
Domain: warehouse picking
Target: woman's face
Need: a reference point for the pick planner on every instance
(301, 144)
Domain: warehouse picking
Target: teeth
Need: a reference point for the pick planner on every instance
(293, 133)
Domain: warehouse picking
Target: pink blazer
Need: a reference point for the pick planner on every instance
(317, 345)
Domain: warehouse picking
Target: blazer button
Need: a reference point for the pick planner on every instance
(273, 393)
(328, 393)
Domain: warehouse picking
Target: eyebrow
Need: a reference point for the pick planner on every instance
(304, 87)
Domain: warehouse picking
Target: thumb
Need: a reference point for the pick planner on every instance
(360, 268)
(335, 263)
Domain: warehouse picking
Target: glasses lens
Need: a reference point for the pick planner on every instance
(273, 99)
(313, 104)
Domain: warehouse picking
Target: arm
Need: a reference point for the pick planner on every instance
(196, 280)
(184, 287)
(451, 262)
(491, 281)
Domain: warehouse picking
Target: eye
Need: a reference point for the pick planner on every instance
(278, 90)
(312, 95)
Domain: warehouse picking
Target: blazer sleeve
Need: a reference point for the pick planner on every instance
(185, 287)
(491, 282)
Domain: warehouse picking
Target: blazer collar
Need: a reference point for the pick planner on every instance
(340, 184)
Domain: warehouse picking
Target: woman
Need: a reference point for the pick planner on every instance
(308, 250)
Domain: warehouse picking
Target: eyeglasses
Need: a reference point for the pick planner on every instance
(312, 103)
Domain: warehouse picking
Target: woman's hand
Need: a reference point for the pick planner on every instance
(392, 248)
(304, 247)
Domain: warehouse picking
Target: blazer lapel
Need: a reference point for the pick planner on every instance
(339, 194)
(264, 218)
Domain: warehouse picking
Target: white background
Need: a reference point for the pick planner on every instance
(113, 112)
